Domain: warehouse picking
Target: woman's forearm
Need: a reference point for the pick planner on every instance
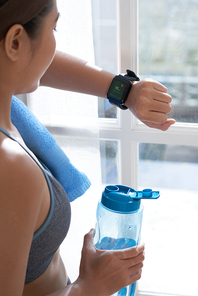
(73, 74)
(70, 290)
(78, 288)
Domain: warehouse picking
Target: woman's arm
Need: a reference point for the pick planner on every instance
(21, 184)
(148, 100)
(73, 74)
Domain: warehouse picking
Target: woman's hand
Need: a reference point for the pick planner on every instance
(103, 273)
(150, 103)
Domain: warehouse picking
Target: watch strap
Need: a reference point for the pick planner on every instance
(131, 75)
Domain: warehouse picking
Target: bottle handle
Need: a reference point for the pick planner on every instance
(146, 194)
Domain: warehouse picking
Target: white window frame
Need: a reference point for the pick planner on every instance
(120, 129)
(126, 129)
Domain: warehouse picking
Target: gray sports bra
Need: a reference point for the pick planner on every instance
(47, 239)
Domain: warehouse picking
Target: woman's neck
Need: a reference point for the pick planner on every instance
(5, 108)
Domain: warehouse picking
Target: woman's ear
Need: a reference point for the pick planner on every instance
(13, 42)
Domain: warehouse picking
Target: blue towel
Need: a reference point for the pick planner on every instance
(44, 146)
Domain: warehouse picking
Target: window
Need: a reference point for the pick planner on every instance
(169, 55)
(159, 40)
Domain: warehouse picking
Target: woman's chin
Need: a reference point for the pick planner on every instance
(30, 89)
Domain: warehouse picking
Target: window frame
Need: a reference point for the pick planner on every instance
(127, 130)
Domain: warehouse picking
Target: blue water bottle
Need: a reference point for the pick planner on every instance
(119, 220)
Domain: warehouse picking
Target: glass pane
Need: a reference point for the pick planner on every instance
(104, 34)
(169, 166)
(109, 161)
(170, 224)
(168, 43)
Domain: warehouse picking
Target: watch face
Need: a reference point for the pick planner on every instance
(117, 89)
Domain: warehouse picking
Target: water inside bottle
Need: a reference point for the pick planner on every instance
(109, 243)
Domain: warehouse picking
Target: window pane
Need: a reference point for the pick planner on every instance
(104, 33)
(170, 224)
(168, 166)
(168, 43)
(109, 161)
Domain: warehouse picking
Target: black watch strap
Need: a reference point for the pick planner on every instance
(131, 75)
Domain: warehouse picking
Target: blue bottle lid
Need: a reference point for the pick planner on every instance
(121, 198)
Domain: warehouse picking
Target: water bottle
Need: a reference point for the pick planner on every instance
(119, 220)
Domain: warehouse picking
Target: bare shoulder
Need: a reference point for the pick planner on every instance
(21, 187)
(18, 171)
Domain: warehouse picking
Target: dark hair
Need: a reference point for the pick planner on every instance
(2, 2)
(34, 26)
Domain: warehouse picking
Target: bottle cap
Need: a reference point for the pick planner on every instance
(124, 199)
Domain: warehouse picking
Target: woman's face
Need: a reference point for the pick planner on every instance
(40, 54)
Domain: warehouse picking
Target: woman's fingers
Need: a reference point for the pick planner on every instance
(157, 85)
(136, 276)
(131, 252)
(163, 126)
(135, 260)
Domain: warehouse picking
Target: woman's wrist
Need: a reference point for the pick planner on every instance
(82, 288)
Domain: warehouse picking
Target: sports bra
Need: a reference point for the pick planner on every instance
(48, 238)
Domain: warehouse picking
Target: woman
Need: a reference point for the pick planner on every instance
(34, 208)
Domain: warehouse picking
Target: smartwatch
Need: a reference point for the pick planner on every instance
(120, 87)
